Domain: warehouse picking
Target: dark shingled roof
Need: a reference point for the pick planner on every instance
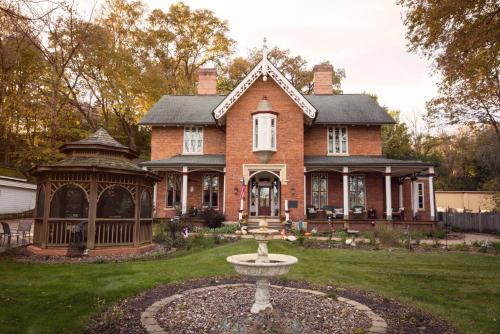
(334, 109)
(98, 162)
(100, 137)
(186, 160)
(359, 160)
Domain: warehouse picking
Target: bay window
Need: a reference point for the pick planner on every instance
(337, 140)
(264, 132)
(193, 140)
(211, 190)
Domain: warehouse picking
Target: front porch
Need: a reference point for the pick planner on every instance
(366, 192)
(325, 226)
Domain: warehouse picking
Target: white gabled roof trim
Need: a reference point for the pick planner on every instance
(264, 68)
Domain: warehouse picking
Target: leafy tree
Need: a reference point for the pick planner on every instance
(462, 37)
(294, 68)
(396, 139)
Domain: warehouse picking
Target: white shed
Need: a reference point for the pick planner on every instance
(16, 195)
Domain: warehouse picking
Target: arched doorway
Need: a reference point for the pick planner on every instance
(264, 194)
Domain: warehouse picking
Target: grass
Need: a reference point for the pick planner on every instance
(463, 288)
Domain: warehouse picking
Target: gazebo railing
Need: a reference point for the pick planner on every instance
(111, 231)
(66, 231)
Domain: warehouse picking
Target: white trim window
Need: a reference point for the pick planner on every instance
(264, 132)
(173, 190)
(337, 140)
(420, 196)
(319, 190)
(193, 140)
(210, 190)
(357, 191)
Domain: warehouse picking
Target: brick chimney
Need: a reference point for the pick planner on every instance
(207, 81)
(323, 84)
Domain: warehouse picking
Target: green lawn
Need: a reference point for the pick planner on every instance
(462, 288)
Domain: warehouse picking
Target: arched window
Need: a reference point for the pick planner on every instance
(69, 201)
(115, 202)
(40, 202)
(146, 206)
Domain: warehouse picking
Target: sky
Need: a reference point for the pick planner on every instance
(366, 38)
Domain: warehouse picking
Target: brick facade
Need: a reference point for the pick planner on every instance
(295, 139)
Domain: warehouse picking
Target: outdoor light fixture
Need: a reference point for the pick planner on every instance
(191, 189)
(293, 190)
(235, 190)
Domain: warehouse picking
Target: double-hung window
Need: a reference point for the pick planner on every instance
(319, 190)
(420, 187)
(337, 140)
(357, 192)
(193, 140)
(211, 190)
(264, 132)
(173, 193)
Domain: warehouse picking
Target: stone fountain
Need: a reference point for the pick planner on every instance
(262, 265)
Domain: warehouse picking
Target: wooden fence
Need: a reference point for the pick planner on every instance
(486, 222)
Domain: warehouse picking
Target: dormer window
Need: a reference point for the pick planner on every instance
(337, 140)
(193, 140)
(264, 132)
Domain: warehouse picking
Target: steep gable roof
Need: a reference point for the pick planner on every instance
(265, 68)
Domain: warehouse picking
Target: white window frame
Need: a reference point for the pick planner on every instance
(211, 175)
(267, 118)
(319, 175)
(328, 140)
(421, 195)
(184, 140)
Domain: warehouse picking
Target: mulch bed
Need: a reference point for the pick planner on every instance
(124, 316)
(226, 310)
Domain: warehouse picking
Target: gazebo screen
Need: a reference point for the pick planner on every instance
(69, 201)
(115, 202)
(146, 209)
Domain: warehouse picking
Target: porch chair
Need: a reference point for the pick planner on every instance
(311, 212)
(338, 213)
(357, 212)
(23, 230)
(328, 211)
(6, 234)
(399, 214)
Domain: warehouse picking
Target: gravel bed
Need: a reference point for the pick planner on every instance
(226, 310)
(125, 315)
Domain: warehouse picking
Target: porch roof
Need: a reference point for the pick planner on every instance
(188, 160)
(360, 160)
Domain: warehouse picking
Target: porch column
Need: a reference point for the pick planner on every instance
(414, 195)
(155, 193)
(184, 189)
(224, 194)
(345, 183)
(388, 195)
(305, 193)
(401, 193)
(431, 193)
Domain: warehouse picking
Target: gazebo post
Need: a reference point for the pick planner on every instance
(46, 212)
(137, 213)
(92, 212)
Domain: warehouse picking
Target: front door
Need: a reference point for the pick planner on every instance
(264, 201)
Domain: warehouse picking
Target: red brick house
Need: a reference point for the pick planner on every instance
(265, 149)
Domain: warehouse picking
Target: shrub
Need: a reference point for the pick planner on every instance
(460, 247)
(389, 238)
(440, 234)
(213, 218)
(225, 229)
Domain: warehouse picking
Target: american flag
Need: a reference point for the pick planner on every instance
(243, 188)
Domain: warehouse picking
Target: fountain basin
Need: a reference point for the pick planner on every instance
(245, 264)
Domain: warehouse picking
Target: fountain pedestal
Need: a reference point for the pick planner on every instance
(262, 266)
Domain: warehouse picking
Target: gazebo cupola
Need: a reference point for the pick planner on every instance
(95, 199)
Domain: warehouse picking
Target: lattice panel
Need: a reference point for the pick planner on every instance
(116, 178)
(69, 177)
(54, 186)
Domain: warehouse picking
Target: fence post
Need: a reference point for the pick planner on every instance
(480, 222)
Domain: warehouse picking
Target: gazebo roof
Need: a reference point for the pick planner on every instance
(99, 151)
(99, 140)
